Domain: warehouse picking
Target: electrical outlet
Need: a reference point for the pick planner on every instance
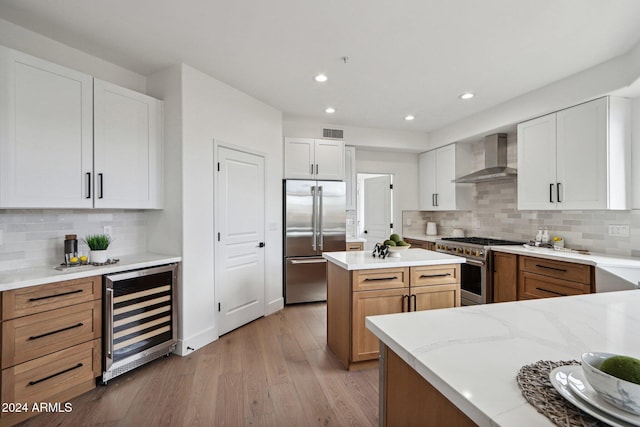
(108, 230)
(619, 230)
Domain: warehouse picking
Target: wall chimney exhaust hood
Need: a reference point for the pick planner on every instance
(495, 162)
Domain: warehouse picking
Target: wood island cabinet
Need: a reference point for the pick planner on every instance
(355, 246)
(51, 343)
(354, 295)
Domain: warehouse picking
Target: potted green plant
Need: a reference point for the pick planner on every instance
(98, 243)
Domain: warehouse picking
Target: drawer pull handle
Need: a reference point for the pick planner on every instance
(407, 297)
(415, 302)
(35, 337)
(426, 276)
(79, 365)
(374, 279)
(551, 268)
(552, 292)
(77, 291)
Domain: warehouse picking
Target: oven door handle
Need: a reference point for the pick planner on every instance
(476, 263)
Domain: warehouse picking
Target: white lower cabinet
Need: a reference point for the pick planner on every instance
(70, 141)
(577, 158)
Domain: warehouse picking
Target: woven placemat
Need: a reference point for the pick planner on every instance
(536, 387)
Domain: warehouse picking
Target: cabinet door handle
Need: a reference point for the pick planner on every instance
(426, 276)
(311, 170)
(79, 365)
(101, 178)
(77, 291)
(437, 202)
(403, 297)
(552, 292)
(415, 302)
(88, 175)
(374, 279)
(35, 337)
(551, 268)
(558, 190)
(550, 193)
(316, 169)
(433, 199)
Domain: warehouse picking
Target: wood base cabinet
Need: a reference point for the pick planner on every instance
(421, 244)
(51, 344)
(355, 246)
(407, 399)
(505, 277)
(354, 295)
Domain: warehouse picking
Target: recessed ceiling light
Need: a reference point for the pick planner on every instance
(466, 95)
(330, 110)
(321, 78)
(409, 117)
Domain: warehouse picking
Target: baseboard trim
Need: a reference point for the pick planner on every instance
(191, 344)
(275, 305)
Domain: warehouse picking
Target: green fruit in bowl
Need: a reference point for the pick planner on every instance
(390, 243)
(402, 243)
(395, 237)
(623, 367)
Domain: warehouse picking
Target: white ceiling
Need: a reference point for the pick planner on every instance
(405, 56)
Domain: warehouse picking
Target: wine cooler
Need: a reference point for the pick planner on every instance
(140, 319)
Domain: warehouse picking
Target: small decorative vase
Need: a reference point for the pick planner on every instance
(99, 257)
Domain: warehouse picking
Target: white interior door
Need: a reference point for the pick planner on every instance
(240, 266)
(377, 210)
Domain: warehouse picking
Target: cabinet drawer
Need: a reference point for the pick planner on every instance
(383, 278)
(36, 299)
(355, 246)
(562, 270)
(61, 375)
(538, 286)
(30, 337)
(435, 275)
(417, 243)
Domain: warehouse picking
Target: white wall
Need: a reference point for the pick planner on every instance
(403, 166)
(213, 110)
(35, 44)
(360, 137)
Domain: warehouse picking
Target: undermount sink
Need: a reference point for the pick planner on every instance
(617, 278)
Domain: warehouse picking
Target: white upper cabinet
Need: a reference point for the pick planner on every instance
(577, 158)
(350, 178)
(306, 158)
(436, 169)
(67, 144)
(128, 152)
(46, 134)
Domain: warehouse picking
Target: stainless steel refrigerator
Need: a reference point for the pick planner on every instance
(314, 222)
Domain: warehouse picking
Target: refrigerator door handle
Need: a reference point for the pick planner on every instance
(320, 217)
(309, 261)
(314, 208)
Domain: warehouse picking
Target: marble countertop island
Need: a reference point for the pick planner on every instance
(472, 354)
(363, 260)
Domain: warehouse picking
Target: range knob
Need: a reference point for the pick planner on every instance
(467, 251)
(460, 250)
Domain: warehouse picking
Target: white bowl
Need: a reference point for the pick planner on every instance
(620, 393)
(394, 251)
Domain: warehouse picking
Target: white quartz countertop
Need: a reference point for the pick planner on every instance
(591, 259)
(473, 354)
(363, 260)
(423, 237)
(22, 278)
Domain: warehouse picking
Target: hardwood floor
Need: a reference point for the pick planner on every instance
(275, 371)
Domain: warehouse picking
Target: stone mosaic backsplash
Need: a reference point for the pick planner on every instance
(34, 238)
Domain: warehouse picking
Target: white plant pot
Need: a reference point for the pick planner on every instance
(99, 257)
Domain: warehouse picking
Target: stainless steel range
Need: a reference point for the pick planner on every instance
(476, 277)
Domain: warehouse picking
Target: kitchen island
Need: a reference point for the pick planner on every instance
(360, 285)
(462, 364)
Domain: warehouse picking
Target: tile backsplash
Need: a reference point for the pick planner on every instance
(34, 238)
(495, 214)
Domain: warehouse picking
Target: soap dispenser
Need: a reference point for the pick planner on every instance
(545, 236)
(539, 235)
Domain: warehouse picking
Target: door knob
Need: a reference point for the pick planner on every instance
(365, 231)
(261, 245)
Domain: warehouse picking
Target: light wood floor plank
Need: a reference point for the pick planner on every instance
(276, 371)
